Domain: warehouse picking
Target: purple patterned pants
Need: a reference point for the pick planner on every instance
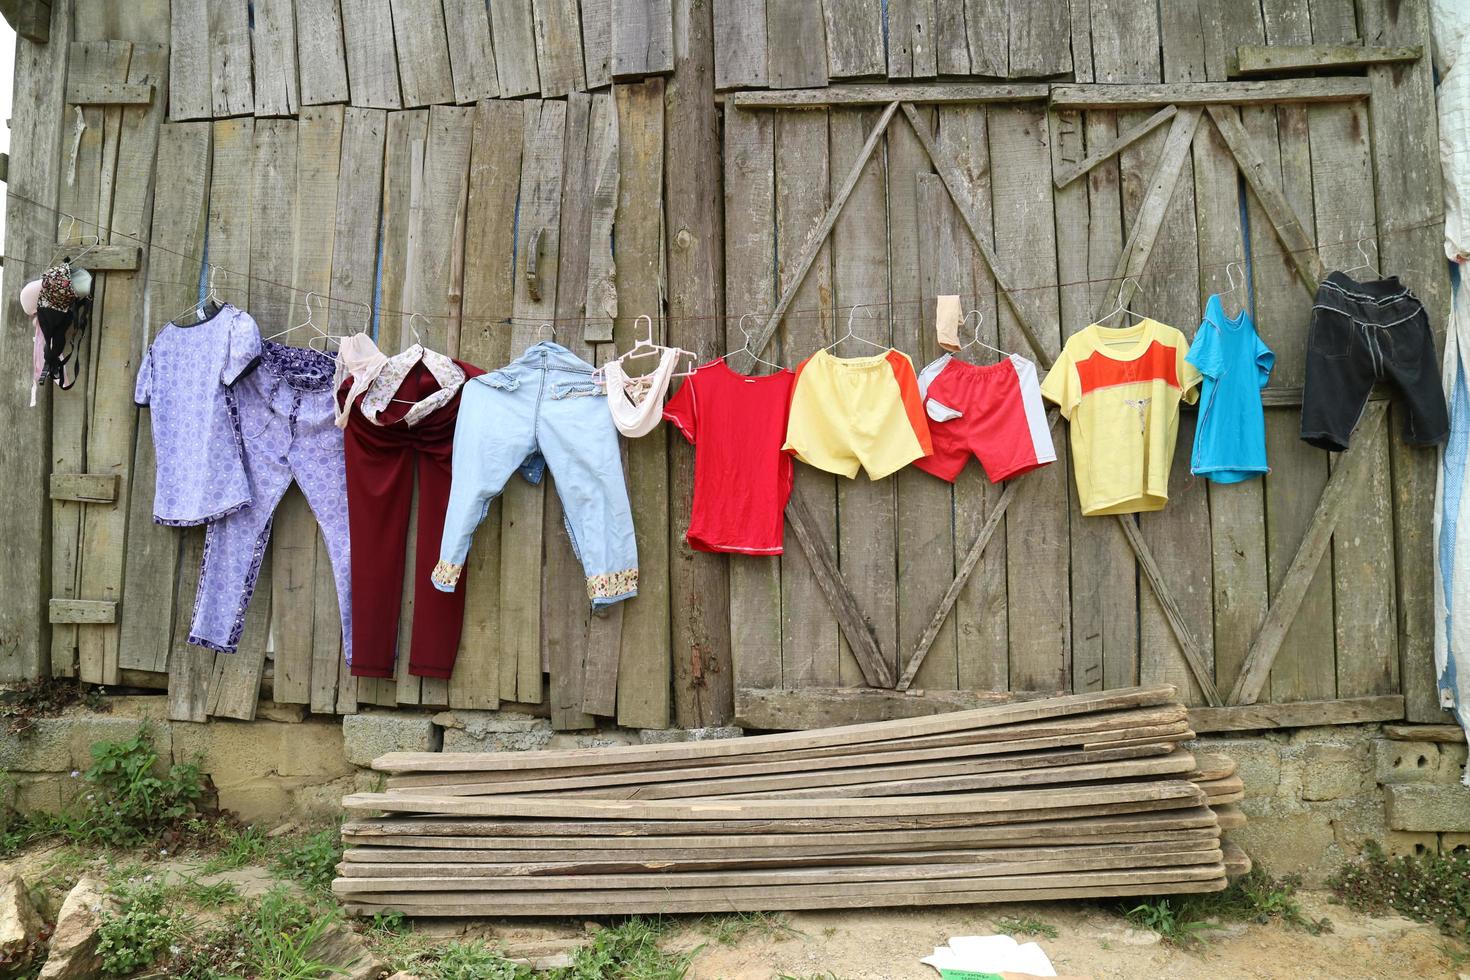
(284, 413)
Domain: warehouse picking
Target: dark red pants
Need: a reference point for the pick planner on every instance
(382, 461)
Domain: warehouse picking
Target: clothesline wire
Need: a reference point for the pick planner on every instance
(790, 313)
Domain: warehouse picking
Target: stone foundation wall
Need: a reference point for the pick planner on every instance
(1313, 795)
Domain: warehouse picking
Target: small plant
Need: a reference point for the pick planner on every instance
(279, 934)
(312, 860)
(1432, 888)
(1171, 919)
(214, 896)
(130, 802)
(1023, 926)
(240, 847)
(475, 960)
(727, 930)
(138, 933)
(629, 950)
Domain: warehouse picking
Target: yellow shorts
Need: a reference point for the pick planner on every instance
(848, 412)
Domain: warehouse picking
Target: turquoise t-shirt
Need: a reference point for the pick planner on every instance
(1230, 435)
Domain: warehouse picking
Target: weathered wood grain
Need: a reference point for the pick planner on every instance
(912, 51)
(644, 690)
(88, 488)
(423, 53)
(1227, 27)
(1089, 242)
(1075, 167)
(854, 38)
(924, 260)
(1297, 714)
(987, 27)
(1305, 90)
(755, 598)
(642, 38)
(1236, 510)
(494, 181)
(796, 44)
(601, 305)
(513, 27)
(867, 527)
(597, 42)
(190, 668)
(1261, 59)
(1038, 592)
(372, 66)
(809, 633)
(85, 211)
(1351, 467)
(118, 350)
(471, 52)
(699, 582)
(951, 39)
(145, 633)
(188, 73)
(1038, 33)
(559, 46)
(234, 684)
(295, 581)
(230, 77)
(1125, 41)
(320, 55)
(740, 44)
(947, 93)
(273, 57)
(1408, 194)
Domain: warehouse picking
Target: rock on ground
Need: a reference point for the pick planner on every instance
(19, 919)
(73, 954)
(341, 948)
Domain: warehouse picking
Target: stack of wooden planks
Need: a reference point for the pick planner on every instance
(1081, 796)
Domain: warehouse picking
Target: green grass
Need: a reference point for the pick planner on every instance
(628, 951)
(141, 930)
(1023, 926)
(312, 859)
(1432, 888)
(268, 937)
(1255, 897)
(727, 930)
(240, 847)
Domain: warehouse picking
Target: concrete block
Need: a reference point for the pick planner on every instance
(1406, 762)
(88, 730)
(256, 801)
(234, 752)
(320, 802)
(494, 731)
(660, 736)
(46, 792)
(44, 747)
(1454, 843)
(1300, 842)
(1429, 807)
(592, 740)
(1257, 761)
(367, 736)
(1332, 772)
(1407, 843)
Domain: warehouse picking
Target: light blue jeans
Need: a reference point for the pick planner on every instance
(543, 409)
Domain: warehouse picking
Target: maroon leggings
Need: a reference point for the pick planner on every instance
(381, 463)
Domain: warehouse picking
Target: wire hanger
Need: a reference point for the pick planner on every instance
(979, 319)
(1234, 286)
(204, 308)
(1367, 263)
(745, 347)
(1120, 308)
(550, 329)
(310, 321)
(852, 336)
(417, 337)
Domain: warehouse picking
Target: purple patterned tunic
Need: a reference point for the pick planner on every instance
(184, 380)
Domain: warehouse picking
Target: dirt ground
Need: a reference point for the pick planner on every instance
(1090, 942)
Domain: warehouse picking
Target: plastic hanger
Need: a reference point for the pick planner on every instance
(745, 347)
(979, 319)
(852, 336)
(643, 346)
(206, 307)
(1120, 308)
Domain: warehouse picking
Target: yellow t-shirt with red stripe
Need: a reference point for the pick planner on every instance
(1120, 388)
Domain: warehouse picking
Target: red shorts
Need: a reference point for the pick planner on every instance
(992, 410)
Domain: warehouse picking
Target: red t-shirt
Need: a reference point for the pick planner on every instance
(742, 479)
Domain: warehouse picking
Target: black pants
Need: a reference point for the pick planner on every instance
(1363, 333)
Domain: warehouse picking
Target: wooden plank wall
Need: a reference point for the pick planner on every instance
(403, 155)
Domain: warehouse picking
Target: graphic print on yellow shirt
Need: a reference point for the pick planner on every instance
(1120, 388)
